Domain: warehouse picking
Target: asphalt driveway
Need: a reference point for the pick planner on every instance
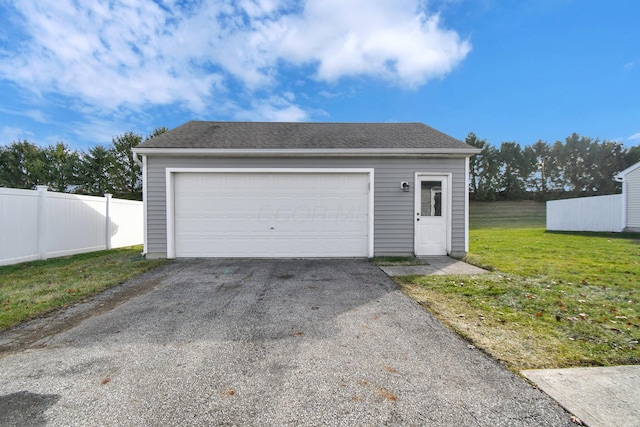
(263, 342)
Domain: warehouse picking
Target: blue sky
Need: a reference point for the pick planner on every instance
(82, 72)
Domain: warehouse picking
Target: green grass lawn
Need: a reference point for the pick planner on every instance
(552, 299)
(31, 289)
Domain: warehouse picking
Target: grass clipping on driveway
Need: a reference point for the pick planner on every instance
(553, 299)
(31, 289)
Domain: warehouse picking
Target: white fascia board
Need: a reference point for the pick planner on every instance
(324, 152)
(269, 170)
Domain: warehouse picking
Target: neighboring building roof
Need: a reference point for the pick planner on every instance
(239, 137)
(621, 175)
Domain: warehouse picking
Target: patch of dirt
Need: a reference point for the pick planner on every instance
(34, 333)
(398, 261)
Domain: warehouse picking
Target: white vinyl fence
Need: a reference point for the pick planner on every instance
(41, 224)
(599, 213)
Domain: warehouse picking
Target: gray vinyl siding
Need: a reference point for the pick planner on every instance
(393, 208)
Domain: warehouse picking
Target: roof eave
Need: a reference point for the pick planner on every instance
(620, 176)
(462, 152)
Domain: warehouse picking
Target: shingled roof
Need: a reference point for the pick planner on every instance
(253, 136)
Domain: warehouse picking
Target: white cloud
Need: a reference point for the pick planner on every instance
(384, 38)
(327, 94)
(261, 8)
(107, 54)
(36, 115)
(9, 134)
(635, 137)
(122, 54)
(273, 109)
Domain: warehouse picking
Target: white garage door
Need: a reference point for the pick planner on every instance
(260, 214)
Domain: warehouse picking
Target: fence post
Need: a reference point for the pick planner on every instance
(107, 239)
(42, 221)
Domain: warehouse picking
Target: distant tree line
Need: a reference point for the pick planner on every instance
(99, 170)
(579, 166)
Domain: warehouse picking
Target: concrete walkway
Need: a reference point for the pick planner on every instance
(598, 397)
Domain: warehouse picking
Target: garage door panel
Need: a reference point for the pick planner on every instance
(271, 214)
(263, 247)
(299, 223)
(247, 230)
(348, 246)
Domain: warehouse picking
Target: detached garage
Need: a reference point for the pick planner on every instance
(304, 190)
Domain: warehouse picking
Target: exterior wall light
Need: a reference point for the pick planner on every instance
(404, 186)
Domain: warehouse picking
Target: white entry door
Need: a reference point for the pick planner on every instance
(432, 214)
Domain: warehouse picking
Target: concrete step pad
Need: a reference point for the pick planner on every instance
(437, 265)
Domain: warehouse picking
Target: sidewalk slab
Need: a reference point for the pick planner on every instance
(600, 397)
(436, 266)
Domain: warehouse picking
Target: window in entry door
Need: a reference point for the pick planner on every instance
(431, 198)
